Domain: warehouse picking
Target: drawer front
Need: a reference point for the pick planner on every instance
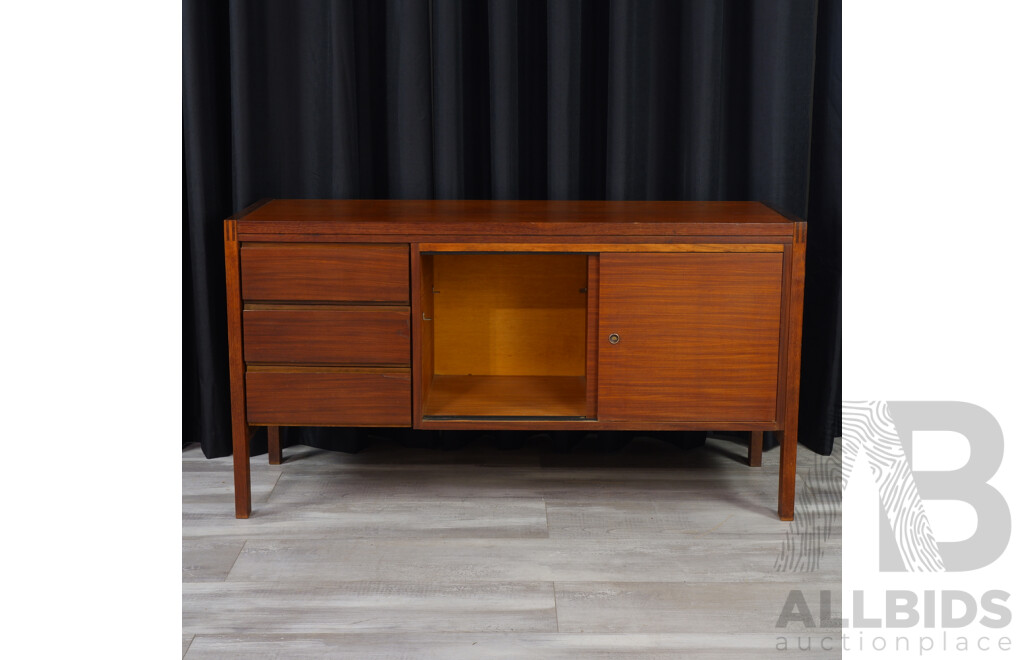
(325, 272)
(304, 335)
(309, 397)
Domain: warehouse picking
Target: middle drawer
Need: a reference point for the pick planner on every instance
(321, 334)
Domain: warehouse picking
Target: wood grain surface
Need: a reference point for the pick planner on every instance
(325, 272)
(236, 372)
(516, 217)
(501, 240)
(593, 328)
(698, 337)
(274, 445)
(793, 342)
(338, 335)
(755, 448)
(329, 398)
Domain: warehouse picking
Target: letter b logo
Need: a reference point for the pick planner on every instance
(882, 431)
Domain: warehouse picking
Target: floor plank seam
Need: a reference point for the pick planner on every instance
(812, 578)
(554, 595)
(270, 493)
(227, 575)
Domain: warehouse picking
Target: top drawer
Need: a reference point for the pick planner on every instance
(326, 272)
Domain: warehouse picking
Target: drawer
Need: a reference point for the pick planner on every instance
(312, 396)
(326, 335)
(325, 272)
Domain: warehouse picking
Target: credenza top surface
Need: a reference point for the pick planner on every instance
(511, 217)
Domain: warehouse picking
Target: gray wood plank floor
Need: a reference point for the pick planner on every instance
(645, 552)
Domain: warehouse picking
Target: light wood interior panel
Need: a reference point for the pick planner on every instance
(507, 396)
(509, 314)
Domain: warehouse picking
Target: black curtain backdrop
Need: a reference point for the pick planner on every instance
(565, 99)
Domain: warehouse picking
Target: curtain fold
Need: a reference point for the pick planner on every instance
(565, 99)
(503, 97)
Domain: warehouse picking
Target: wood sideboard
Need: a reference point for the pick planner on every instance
(537, 315)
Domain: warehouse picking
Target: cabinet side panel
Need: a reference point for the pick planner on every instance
(697, 337)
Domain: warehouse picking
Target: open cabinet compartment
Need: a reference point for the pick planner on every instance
(504, 335)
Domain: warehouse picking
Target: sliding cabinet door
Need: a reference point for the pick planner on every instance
(689, 337)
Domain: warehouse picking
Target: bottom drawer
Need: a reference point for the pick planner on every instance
(297, 396)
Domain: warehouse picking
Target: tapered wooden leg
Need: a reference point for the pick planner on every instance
(787, 473)
(236, 371)
(274, 444)
(788, 435)
(754, 449)
(240, 457)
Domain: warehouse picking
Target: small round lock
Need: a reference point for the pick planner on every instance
(613, 338)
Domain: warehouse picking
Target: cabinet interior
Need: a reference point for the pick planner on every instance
(504, 335)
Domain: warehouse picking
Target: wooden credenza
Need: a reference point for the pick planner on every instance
(539, 315)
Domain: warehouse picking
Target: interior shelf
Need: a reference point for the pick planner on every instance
(506, 396)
